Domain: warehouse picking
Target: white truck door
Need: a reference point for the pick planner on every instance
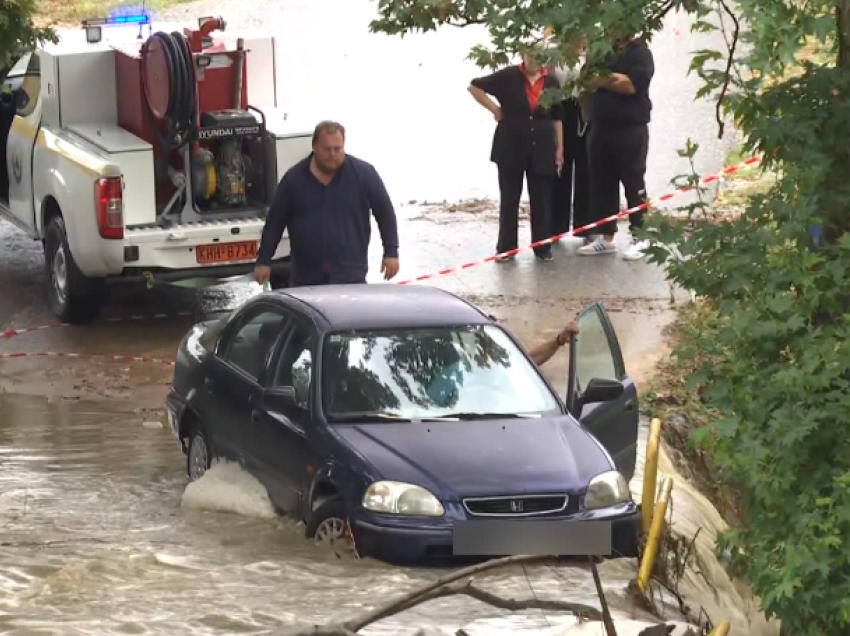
(21, 142)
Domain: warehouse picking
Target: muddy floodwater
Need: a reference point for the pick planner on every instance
(100, 535)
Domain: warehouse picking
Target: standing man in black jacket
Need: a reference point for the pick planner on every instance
(325, 201)
(528, 142)
(618, 142)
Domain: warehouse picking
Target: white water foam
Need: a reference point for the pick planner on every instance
(227, 487)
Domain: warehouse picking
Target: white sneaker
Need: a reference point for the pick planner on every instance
(599, 246)
(635, 250)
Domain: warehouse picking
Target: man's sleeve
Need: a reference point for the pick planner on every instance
(642, 69)
(276, 221)
(491, 84)
(382, 208)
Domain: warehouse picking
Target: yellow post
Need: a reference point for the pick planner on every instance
(650, 554)
(650, 475)
(722, 629)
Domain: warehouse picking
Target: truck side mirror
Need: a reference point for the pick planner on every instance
(22, 100)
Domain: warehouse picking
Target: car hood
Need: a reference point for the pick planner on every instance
(482, 458)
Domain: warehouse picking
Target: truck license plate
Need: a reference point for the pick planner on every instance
(223, 252)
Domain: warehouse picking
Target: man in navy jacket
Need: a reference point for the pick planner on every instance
(325, 202)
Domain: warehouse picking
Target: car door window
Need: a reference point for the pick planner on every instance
(594, 352)
(295, 365)
(248, 345)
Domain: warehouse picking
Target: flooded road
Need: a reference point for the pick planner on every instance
(98, 534)
(99, 537)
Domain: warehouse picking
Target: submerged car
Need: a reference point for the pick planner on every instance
(397, 413)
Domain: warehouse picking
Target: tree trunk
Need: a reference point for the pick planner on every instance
(842, 18)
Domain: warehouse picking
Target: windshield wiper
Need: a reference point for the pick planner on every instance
(367, 418)
(481, 416)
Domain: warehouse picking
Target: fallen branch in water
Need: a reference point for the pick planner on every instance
(440, 589)
(586, 612)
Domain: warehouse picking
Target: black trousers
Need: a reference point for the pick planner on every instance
(615, 155)
(540, 198)
(570, 200)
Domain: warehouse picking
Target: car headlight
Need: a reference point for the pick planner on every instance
(399, 498)
(607, 489)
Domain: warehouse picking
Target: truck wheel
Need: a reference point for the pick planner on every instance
(73, 297)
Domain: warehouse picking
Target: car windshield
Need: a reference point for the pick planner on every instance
(468, 372)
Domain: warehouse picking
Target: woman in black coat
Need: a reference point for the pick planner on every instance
(528, 142)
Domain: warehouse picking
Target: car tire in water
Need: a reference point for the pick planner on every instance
(199, 454)
(329, 524)
(73, 297)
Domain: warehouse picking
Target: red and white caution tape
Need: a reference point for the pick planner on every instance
(92, 356)
(554, 239)
(11, 333)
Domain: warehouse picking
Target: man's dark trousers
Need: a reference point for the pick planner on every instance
(568, 200)
(540, 198)
(617, 154)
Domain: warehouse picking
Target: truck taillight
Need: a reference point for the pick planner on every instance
(110, 207)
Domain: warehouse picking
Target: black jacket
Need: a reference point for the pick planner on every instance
(329, 226)
(521, 135)
(618, 109)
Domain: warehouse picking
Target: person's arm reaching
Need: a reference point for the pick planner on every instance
(382, 209)
(276, 222)
(541, 354)
(637, 79)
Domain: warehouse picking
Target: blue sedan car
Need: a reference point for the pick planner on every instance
(395, 413)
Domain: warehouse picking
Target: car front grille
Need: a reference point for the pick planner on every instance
(517, 506)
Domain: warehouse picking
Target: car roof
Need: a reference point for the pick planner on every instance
(386, 306)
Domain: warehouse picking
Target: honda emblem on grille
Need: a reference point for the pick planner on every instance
(516, 505)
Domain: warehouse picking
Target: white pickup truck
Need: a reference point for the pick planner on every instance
(76, 179)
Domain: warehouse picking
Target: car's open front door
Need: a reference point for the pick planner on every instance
(610, 408)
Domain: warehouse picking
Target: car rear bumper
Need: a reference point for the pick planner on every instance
(402, 542)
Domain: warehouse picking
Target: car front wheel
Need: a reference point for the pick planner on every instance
(329, 525)
(199, 456)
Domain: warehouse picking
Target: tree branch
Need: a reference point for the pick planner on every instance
(842, 19)
(606, 614)
(405, 601)
(729, 62)
(441, 589)
(512, 605)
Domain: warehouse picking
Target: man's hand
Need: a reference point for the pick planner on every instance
(389, 267)
(564, 336)
(559, 157)
(497, 114)
(262, 273)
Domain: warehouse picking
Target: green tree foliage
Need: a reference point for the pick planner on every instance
(777, 276)
(17, 30)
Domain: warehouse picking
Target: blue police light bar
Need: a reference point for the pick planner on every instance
(118, 19)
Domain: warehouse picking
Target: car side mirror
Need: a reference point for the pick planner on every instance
(280, 399)
(599, 390)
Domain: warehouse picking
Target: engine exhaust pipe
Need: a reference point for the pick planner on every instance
(240, 62)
